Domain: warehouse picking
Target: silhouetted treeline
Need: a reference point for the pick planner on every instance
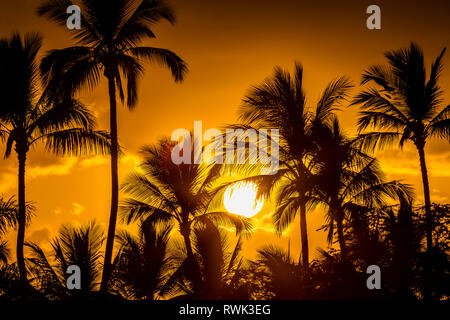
(183, 248)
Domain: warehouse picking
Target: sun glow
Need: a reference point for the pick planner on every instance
(240, 198)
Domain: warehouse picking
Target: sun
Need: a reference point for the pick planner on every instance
(240, 198)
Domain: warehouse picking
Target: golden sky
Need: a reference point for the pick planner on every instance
(230, 45)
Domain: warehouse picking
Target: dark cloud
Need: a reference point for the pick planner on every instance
(39, 236)
(38, 158)
(438, 147)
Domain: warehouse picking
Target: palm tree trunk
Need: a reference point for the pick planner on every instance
(426, 195)
(192, 271)
(341, 239)
(188, 244)
(185, 232)
(22, 217)
(428, 219)
(114, 185)
(304, 238)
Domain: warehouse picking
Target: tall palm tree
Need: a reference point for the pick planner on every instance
(280, 103)
(347, 178)
(28, 117)
(108, 44)
(180, 193)
(74, 246)
(143, 264)
(405, 105)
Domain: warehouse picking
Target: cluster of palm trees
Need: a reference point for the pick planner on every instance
(108, 44)
(373, 221)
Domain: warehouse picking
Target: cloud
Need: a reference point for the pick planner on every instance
(437, 146)
(60, 169)
(93, 161)
(406, 162)
(7, 182)
(8, 175)
(39, 236)
(41, 165)
(131, 159)
(77, 209)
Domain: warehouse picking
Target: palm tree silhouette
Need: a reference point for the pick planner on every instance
(59, 121)
(8, 219)
(142, 264)
(4, 253)
(280, 103)
(8, 278)
(391, 237)
(8, 214)
(180, 193)
(406, 106)
(283, 277)
(219, 272)
(405, 240)
(107, 44)
(74, 246)
(8, 271)
(347, 178)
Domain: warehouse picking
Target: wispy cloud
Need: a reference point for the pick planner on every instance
(77, 209)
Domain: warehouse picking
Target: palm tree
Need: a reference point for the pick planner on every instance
(27, 118)
(347, 178)
(107, 44)
(404, 239)
(284, 281)
(8, 272)
(390, 236)
(180, 193)
(404, 105)
(74, 246)
(280, 103)
(142, 265)
(8, 214)
(8, 219)
(8, 279)
(219, 273)
(4, 253)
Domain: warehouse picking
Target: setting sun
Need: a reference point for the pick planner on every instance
(240, 198)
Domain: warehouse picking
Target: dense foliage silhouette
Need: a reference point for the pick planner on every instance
(178, 242)
(108, 44)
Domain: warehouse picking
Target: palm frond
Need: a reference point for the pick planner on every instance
(377, 140)
(137, 26)
(165, 58)
(77, 142)
(56, 10)
(441, 129)
(335, 93)
(134, 210)
(241, 224)
(4, 253)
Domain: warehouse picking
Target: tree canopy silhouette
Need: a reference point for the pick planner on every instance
(30, 116)
(280, 102)
(405, 105)
(108, 45)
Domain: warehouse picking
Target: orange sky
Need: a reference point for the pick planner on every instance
(230, 45)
